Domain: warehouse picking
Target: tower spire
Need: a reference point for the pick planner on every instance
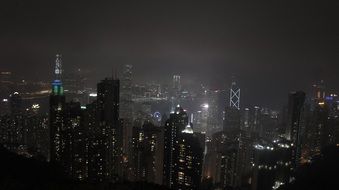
(57, 88)
(58, 67)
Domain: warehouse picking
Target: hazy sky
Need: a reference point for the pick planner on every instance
(272, 46)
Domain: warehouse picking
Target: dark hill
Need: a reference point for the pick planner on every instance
(20, 173)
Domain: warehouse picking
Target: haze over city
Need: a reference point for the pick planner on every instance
(271, 46)
(187, 95)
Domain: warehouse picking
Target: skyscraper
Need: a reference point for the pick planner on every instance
(176, 83)
(75, 138)
(234, 96)
(189, 160)
(295, 121)
(146, 160)
(232, 111)
(126, 93)
(173, 127)
(225, 166)
(56, 117)
(183, 153)
(110, 126)
(67, 135)
(126, 110)
(231, 119)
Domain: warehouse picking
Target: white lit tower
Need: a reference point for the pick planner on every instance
(232, 112)
(58, 67)
(176, 82)
(234, 96)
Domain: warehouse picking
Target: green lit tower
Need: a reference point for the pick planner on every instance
(56, 113)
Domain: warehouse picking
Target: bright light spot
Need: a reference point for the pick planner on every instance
(259, 147)
(5, 100)
(35, 106)
(93, 95)
(205, 106)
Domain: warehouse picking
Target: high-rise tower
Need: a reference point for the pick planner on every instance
(109, 124)
(234, 96)
(183, 153)
(232, 112)
(173, 127)
(56, 117)
(176, 83)
(295, 121)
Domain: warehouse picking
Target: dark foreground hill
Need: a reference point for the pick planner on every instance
(20, 173)
(321, 174)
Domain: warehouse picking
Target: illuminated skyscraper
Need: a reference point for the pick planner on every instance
(234, 96)
(147, 155)
(173, 127)
(231, 118)
(126, 109)
(110, 126)
(75, 138)
(97, 146)
(189, 160)
(56, 117)
(224, 168)
(126, 93)
(183, 153)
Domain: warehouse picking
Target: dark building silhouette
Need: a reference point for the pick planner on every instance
(231, 119)
(295, 121)
(76, 137)
(110, 126)
(97, 146)
(225, 159)
(147, 153)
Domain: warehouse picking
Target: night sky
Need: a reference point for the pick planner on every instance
(272, 46)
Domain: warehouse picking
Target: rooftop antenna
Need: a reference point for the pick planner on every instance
(115, 74)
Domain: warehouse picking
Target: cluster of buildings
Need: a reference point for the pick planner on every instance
(168, 134)
(104, 142)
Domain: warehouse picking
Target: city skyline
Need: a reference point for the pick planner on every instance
(181, 95)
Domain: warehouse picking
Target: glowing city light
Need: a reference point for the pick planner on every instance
(206, 106)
